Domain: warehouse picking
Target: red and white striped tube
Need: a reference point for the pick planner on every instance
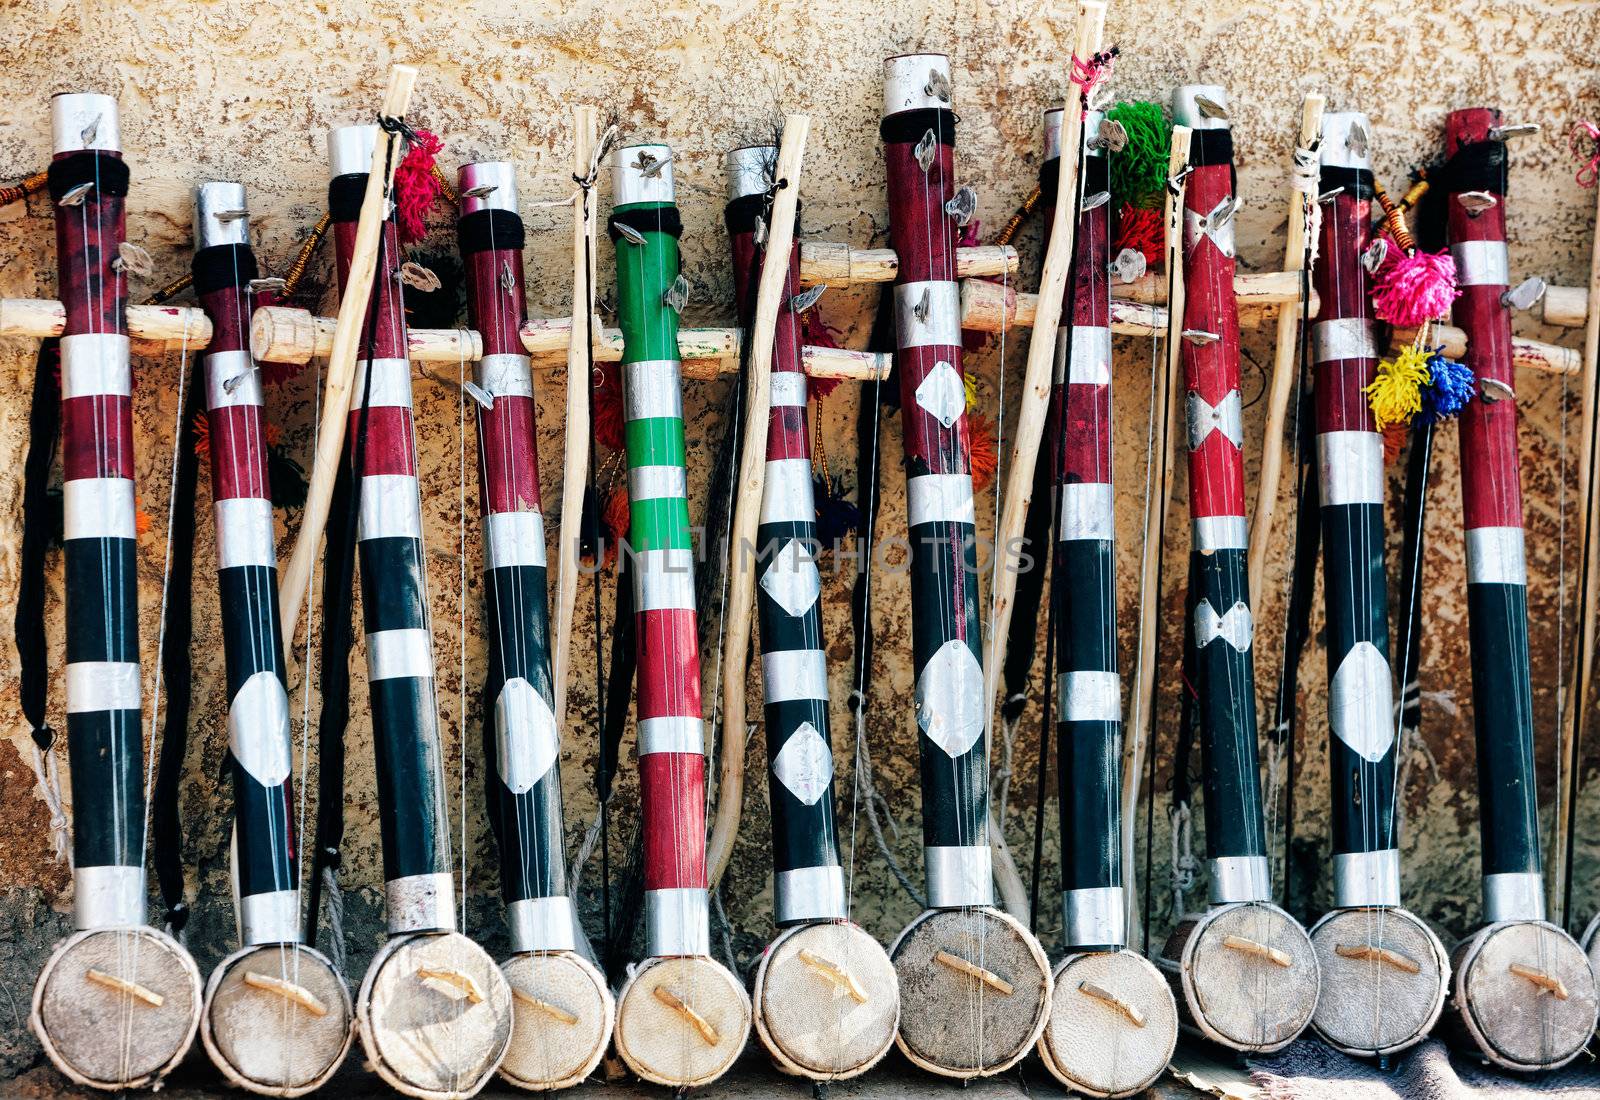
(89, 183)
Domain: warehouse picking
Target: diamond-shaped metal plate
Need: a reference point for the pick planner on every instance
(525, 735)
(1361, 702)
(950, 698)
(942, 393)
(804, 764)
(792, 579)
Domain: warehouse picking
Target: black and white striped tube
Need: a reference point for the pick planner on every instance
(259, 746)
(419, 890)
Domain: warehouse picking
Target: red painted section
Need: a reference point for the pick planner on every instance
(508, 463)
(1216, 468)
(230, 319)
(96, 437)
(1081, 412)
(669, 664)
(390, 448)
(497, 312)
(1345, 288)
(387, 338)
(87, 237)
(238, 453)
(672, 790)
(786, 426)
(1491, 483)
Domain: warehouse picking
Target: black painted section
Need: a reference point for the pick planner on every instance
(265, 817)
(392, 596)
(1508, 807)
(105, 751)
(250, 627)
(104, 628)
(412, 810)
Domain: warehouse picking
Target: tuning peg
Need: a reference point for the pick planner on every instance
(962, 205)
(1526, 294)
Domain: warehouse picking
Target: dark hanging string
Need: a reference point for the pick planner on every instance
(1413, 517)
(166, 851)
(44, 428)
(869, 467)
(1046, 736)
(1023, 641)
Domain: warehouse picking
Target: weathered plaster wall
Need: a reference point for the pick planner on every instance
(248, 90)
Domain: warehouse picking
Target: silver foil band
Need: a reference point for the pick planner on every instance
(1240, 878)
(1496, 555)
(390, 507)
(677, 922)
(940, 498)
(1343, 338)
(1089, 696)
(513, 538)
(245, 534)
(1095, 917)
(1211, 533)
(541, 924)
(671, 734)
(663, 580)
(809, 893)
(108, 896)
(406, 653)
(1365, 879)
(1481, 263)
(269, 918)
(959, 876)
(787, 496)
(791, 674)
(1090, 359)
(928, 314)
(914, 82)
(98, 508)
(651, 390)
(1513, 896)
(95, 364)
(420, 903)
(97, 686)
(1351, 465)
(506, 374)
(1088, 511)
(232, 381)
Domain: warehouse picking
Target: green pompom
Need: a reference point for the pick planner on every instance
(1139, 172)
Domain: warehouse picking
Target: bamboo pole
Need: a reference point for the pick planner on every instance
(296, 583)
(1283, 355)
(575, 466)
(1158, 499)
(738, 612)
(1036, 385)
(1575, 716)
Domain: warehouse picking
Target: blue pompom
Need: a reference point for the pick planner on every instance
(1450, 386)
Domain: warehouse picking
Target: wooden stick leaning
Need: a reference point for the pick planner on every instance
(1283, 354)
(1037, 382)
(1575, 718)
(1158, 499)
(296, 583)
(575, 468)
(738, 612)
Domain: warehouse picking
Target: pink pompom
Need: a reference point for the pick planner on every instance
(1412, 289)
(417, 186)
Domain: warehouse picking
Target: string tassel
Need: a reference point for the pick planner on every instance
(1450, 386)
(417, 185)
(1140, 228)
(1413, 288)
(1396, 393)
(1139, 170)
(837, 517)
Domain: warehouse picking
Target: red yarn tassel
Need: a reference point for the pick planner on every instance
(816, 333)
(416, 186)
(608, 419)
(984, 450)
(1141, 229)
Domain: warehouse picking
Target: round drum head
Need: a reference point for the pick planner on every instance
(1526, 994)
(827, 1002)
(1384, 977)
(277, 1019)
(1113, 1024)
(435, 1015)
(1249, 975)
(117, 1008)
(974, 991)
(562, 1014)
(682, 1021)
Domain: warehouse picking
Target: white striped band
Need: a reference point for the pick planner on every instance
(258, 728)
(908, 83)
(663, 580)
(1095, 916)
(1351, 466)
(513, 538)
(1481, 263)
(390, 508)
(630, 184)
(677, 922)
(1089, 696)
(98, 508)
(1343, 338)
(1087, 511)
(791, 674)
(232, 381)
(1513, 895)
(506, 374)
(788, 496)
(657, 483)
(1240, 878)
(788, 389)
(541, 924)
(84, 120)
(273, 917)
(94, 687)
(958, 876)
(1496, 555)
(940, 325)
(1091, 355)
(1212, 533)
(391, 385)
(1365, 879)
(651, 389)
(245, 534)
(399, 654)
(672, 733)
(940, 498)
(420, 903)
(107, 896)
(95, 364)
(809, 893)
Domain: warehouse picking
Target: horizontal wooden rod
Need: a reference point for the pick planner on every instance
(824, 263)
(280, 334)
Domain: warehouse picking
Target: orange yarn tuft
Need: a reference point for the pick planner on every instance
(984, 450)
(1394, 441)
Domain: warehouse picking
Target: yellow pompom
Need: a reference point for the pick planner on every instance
(971, 385)
(1396, 393)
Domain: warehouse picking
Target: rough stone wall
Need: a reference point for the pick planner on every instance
(247, 91)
